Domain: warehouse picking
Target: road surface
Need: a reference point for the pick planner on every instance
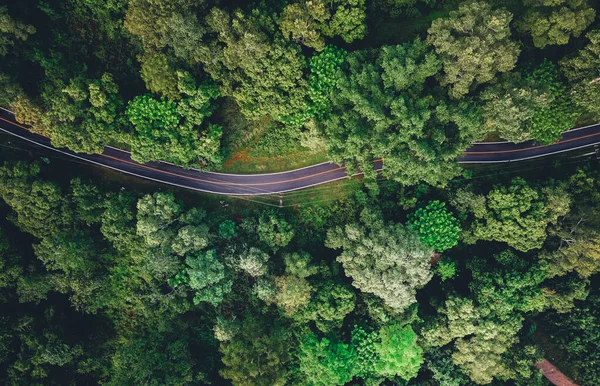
(275, 183)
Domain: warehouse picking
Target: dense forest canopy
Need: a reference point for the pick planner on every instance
(432, 275)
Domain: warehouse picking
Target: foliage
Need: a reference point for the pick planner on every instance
(274, 231)
(553, 22)
(265, 80)
(386, 260)
(559, 115)
(436, 226)
(324, 67)
(307, 22)
(169, 131)
(207, 277)
(33, 201)
(330, 306)
(12, 30)
(380, 111)
(474, 44)
(511, 105)
(325, 361)
(445, 269)
(517, 214)
(582, 72)
(254, 262)
(257, 356)
(227, 230)
(116, 283)
(399, 354)
(578, 333)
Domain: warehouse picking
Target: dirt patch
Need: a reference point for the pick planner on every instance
(553, 374)
(241, 156)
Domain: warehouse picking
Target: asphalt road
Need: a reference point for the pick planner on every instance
(274, 183)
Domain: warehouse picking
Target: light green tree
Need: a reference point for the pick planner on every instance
(325, 362)
(274, 231)
(175, 132)
(191, 238)
(207, 278)
(38, 206)
(384, 259)
(253, 261)
(398, 352)
(155, 215)
(510, 105)
(254, 64)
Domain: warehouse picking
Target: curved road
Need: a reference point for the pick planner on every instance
(274, 183)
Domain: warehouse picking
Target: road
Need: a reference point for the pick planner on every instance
(275, 183)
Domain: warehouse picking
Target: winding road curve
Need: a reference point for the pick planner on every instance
(276, 183)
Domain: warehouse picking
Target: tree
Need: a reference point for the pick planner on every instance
(254, 64)
(329, 307)
(307, 22)
(253, 261)
(436, 226)
(399, 354)
(191, 238)
(381, 111)
(510, 106)
(386, 260)
(206, 275)
(292, 293)
(258, 355)
(88, 200)
(578, 334)
(578, 249)
(10, 271)
(484, 327)
(173, 132)
(73, 253)
(583, 74)
(274, 231)
(474, 44)
(299, 264)
(153, 358)
(554, 21)
(517, 214)
(326, 361)
(155, 215)
(168, 30)
(324, 67)
(227, 230)
(85, 114)
(39, 207)
(559, 115)
(12, 30)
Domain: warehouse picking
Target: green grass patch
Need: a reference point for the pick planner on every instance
(262, 146)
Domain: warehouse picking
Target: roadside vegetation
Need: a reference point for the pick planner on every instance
(427, 274)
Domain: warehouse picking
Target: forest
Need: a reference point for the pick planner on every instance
(427, 274)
